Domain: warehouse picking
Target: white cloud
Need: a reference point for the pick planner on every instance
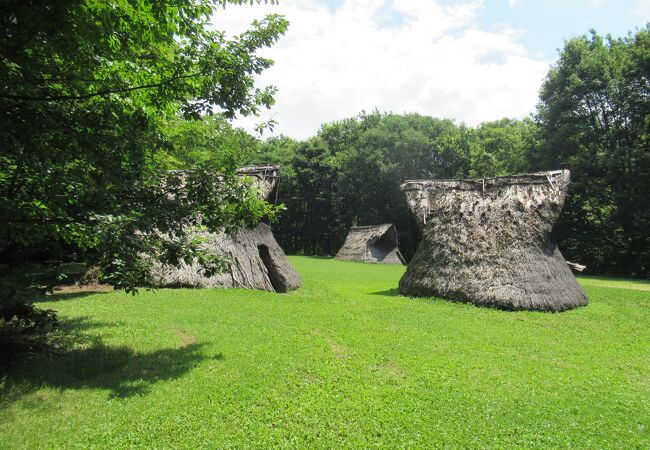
(641, 8)
(400, 56)
(513, 3)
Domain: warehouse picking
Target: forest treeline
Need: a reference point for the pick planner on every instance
(593, 118)
(350, 173)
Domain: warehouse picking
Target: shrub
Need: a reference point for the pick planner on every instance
(25, 330)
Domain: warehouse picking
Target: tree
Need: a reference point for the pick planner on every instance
(210, 142)
(503, 147)
(377, 153)
(315, 179)
(87, 89)
(594, 114)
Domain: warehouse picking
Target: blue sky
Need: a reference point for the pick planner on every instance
(470, 60)
(546, 24)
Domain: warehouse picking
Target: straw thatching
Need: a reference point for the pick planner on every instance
(255, 260)
(265, 178)
(374, 243)
(489, 242)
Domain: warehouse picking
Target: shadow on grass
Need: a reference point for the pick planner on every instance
(90, 364)
(394, 292)
(80, 325)
(33, 295)
(317, 257)
(119, 369)
(60, 296)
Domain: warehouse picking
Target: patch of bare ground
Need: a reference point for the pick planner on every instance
(340, 351)
(186, 338)
(65, 289)
(309, 377)
(391, 370)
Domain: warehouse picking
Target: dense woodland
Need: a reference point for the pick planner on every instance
(99, 103)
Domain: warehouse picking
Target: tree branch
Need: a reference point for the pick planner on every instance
(57, 98)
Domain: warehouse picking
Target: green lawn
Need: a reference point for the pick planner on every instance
(342, 362)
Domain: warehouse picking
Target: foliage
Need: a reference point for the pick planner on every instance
(343, 362)
(594, 115)
(503, 147)
(24, 329)
(315, 180)
(211, 143)
(88, 97)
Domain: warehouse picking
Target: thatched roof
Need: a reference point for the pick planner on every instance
(374, 243)
(256, 261)
(488, 241)
(266, 179)
(424, 195)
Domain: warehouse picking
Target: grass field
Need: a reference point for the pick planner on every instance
(342, 362)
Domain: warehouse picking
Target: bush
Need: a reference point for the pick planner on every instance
(25, 330)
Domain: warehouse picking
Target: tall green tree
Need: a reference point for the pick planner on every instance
(316, 181)
(594, 114)
(503, 147)
(383, 152)
(87, 89)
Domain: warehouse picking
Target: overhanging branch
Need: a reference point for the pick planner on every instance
(56, 98)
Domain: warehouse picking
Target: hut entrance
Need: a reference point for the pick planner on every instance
(382, 247)
(274, 275)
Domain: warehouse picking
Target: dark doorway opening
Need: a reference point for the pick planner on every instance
(274, 274)
(381, 247)
(385, 248)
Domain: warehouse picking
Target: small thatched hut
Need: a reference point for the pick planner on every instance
(256, 261)
(489, 242)
(374, 243)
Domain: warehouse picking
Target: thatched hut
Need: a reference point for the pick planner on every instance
(489, 242)
(374, 243)
(255, 260)
(265, 178)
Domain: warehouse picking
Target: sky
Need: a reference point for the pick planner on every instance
(468, 60)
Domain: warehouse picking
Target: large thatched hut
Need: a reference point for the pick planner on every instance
(488, 242)
(374, 243)
(255, 260)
